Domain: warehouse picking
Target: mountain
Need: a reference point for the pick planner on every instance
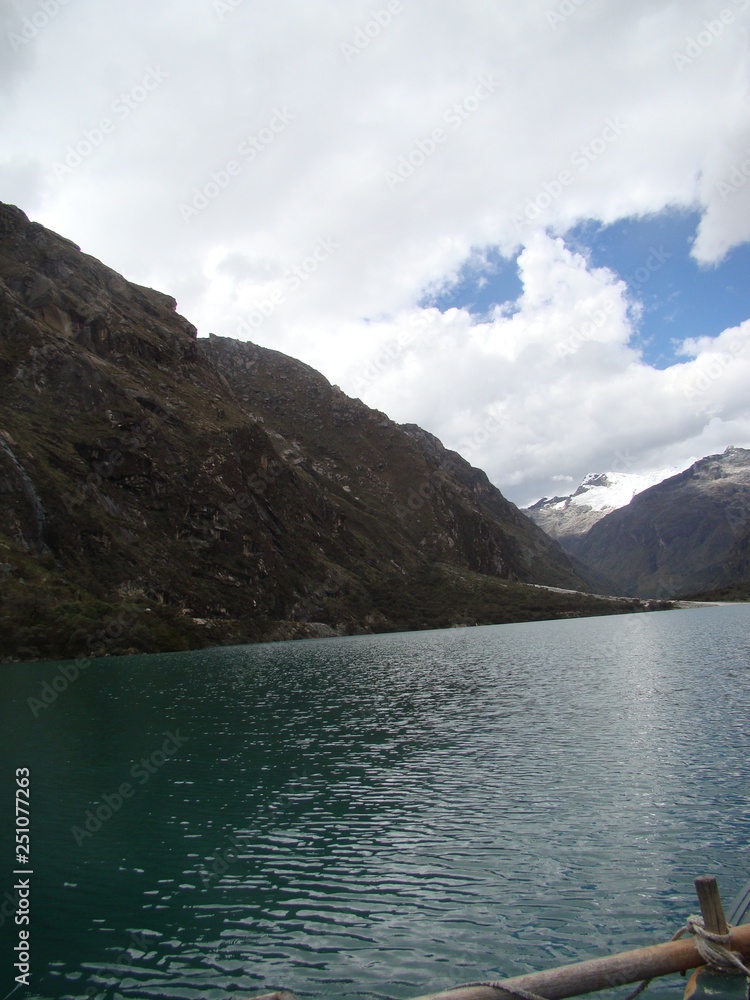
(162, 491)
(689, 533)
(569, 517)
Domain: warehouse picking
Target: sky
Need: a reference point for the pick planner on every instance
(524, 226)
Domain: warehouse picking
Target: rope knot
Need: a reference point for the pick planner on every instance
(715, 949)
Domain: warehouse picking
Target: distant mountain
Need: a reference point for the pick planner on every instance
(689, 533)
(162, 492)
(569, 517)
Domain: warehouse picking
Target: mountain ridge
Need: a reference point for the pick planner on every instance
(164, 491)
(689, 533)
(571, 516)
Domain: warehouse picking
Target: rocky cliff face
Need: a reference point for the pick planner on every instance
(687, 534)
(161, 491)
(563, 519)
(428, 498)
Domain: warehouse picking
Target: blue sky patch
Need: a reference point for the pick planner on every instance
(487, 279)
(680, 298)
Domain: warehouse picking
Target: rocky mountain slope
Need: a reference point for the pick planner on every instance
(160, 491)
(687, 534)
(569, 517)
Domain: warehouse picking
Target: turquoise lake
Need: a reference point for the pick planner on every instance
(376, 816)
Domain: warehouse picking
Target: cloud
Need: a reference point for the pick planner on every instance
(503, 126)
(725, 191)
(519, 396)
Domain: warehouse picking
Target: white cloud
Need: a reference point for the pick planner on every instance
(601, 100)
(557, 390)
(725, 190)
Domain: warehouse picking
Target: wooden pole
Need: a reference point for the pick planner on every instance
(600, 973)
(711, 907)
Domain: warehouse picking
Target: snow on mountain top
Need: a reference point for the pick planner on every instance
(610, 490)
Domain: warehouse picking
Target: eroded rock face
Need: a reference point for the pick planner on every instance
(161, 491)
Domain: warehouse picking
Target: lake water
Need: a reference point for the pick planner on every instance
(377, 816)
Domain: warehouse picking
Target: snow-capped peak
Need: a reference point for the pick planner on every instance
(610, 490)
